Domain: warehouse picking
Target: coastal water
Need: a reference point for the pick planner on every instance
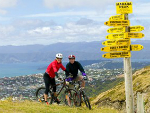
(18, 69)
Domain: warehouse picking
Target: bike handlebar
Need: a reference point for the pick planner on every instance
(70, 76)
(64, 79)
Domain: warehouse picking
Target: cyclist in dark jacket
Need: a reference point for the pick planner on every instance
(73, 67)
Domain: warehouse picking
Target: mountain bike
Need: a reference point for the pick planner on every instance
(82, 94)
(68, 93)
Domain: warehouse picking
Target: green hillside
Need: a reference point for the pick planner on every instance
(115, 97)
(106, 102)
(35, 107)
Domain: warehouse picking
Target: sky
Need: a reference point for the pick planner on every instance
(28, 22)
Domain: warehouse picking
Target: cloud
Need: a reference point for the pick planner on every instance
(41, 31)
(70, 32)
(73, 25)
(34, 23)
(3, 11)
(4, 18)
(77, 3)
(141, 8)
(5, 33)
(6, 4)
(84, 21)
(108, 10)
(74, 15)
(65, 13)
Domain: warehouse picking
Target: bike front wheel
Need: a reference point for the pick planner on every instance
(72, 98)
(86, 100)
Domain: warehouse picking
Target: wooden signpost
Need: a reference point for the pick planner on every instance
(119, 45)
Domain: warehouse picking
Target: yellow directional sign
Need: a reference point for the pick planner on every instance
(117, 42)
(136, 47)
(117, 55)
(116, 30)
(117, 23)
(122, 29)
(125, 35)
(117, 17)
(116, 48)
(124, 7)
(136, 28)
(116, 36)
(134, 35)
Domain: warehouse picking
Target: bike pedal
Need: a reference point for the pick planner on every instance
(40, 100)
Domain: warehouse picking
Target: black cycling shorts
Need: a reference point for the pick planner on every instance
(49, 81)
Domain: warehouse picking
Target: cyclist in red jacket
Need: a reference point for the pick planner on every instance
(50, 73)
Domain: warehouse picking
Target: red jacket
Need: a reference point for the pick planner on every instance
(54, 67)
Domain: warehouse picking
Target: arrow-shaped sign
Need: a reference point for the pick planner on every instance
(117, 55)
(132, 29)
(116, 48)
(118, 23)
(125, 35)
(134, 35)
(116, 36)
(117, 17)
(136, 47)
(137, 28)
(116, 30)
(117, 42)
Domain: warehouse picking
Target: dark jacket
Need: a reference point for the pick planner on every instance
(73, 69)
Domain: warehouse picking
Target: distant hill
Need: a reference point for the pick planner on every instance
(115, 64)
(46, 53)
(83, 62)
(115, 97)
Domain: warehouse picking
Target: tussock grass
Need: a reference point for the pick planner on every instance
(141, 83)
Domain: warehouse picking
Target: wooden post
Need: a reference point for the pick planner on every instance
(140, 103)
(128, 81)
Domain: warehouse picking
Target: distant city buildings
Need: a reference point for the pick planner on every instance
(24, 87)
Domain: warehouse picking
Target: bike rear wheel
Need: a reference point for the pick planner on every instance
(40, 95)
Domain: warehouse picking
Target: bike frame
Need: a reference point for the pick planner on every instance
(64, 86)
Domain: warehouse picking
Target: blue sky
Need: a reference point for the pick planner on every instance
(26, 22)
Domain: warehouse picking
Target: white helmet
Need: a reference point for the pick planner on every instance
(59, 55)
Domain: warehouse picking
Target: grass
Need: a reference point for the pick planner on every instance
(141, 83)
(35, 107)
(116, 93)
